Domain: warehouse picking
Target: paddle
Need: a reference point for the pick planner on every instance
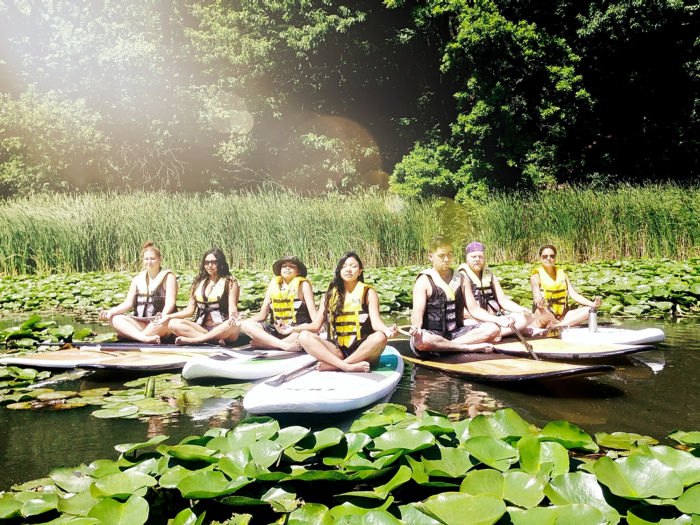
(527, 345)
(279, 380)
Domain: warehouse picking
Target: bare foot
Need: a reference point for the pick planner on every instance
(480, 348)
(362, 366)
(294, 347)
(322, 366)
(418, 340)
(153, 339)
(183, 340)
(261, 346)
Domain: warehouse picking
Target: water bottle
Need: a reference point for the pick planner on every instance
(593, 320)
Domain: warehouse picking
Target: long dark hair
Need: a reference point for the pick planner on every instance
(222, 269)
(338, 284)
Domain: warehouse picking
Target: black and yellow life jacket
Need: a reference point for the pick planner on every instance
(150, 294)
(284, 305)
(215, 304)
(555, 291)
(353, 323)
(482, 288)
(444, 311)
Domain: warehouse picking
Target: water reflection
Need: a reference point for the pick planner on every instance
(650, 394)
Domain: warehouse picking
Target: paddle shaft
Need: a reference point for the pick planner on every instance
(527, 345)
(290, 375)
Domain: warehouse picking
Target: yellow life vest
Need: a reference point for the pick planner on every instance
(351, 324)
(482, 289)
(443, 311)
(282, 302)
(450, 288)
(214, 295)
(150, 294)
(555, 291)
(215, 305)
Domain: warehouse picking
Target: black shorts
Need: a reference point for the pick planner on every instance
(348, 350)
(450, 336)
(270, 329)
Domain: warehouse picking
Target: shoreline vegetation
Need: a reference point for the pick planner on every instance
(63, 233)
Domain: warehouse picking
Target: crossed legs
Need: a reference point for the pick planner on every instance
(129, 328)
(189, 332)
(477, 340)
(331, 358)
(260, 338)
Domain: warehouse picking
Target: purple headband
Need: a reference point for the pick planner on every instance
(474, 247)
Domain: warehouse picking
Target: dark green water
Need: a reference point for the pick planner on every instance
(633, 399)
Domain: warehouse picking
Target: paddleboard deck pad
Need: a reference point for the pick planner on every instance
(558, 349)
(327, 392)
(254, 365)
(621, 336)
(494, 367)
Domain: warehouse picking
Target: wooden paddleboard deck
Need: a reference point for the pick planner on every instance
(61, 359)
(493, 367)
(256, 365)
(327, 392)
(557, 349)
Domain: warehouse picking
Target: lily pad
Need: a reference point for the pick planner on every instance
(638, 477)
(132, 512)
(454, 508)
(109, 413)
(492, 452)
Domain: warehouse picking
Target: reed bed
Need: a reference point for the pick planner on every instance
(651, 221)
(99, 232)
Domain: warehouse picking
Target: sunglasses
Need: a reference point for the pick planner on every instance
(210, 263)
(547, 256)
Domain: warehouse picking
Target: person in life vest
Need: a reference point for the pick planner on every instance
(357, 335)
(214, 295)
(151, 293)
(289, 299)
(488, 294)
(438, 306)
(551, 289)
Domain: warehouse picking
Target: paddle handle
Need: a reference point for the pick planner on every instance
(527, 345)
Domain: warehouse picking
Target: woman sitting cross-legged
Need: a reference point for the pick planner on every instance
(350, 309)
(289, 299)
(151, 293)
(215, 295)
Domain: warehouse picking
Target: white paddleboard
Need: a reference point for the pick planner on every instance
(327, 392)
(245, 367)
(618, 336)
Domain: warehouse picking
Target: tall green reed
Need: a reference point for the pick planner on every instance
(97, 232)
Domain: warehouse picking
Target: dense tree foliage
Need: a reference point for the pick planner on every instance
(452, 97)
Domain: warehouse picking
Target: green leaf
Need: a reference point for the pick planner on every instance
(121, 485)
(120, 411)
(402, 441)
(189, 453)
(133, 512)
(289, 436)
(580, 487)
(264, 427)
(79, 504)
(70, 479)
(492, 452)
(566, 514)
(187, 517)
(622, 440)
(311, 514)
(638, 477)
(685, 438)
(689, 502)
(685, 464)
(453, 463)
(537, 457)
(567, 435)
(265, 453)
(654, 515)
(40, 504)
(10, 508)
(207, 484)
(454, 508)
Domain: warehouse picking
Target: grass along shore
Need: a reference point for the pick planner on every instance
(104, 232)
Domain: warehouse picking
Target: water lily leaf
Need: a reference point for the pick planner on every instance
(508, 424)
(410, 514)
(264, 427)
(78, 505)
(133, 512)
(434, 424)
(121, 411)
(481, 426)
(29, 323)
(638, 477)
(189, 453)
(233, 440)
(567, 435)
(405, 441)
(622, 440)
(318, 441)
(59, 394)
(685, 438)
(689, 502)
(280, 499)
(131, 447)
(39, 505)
(492, 452)
(453, 463)
(522, 489)
(187, 517)
(368, 505)
(71, 480)
(311, 514)
(233, 464)
(206, 484)
(19, 406)
(265, 453)
(578, 514)
(371, 424)
(173, 476)
(455, 508)
(105, 338)
(121, 485)
(375, 517)
(157, 410)
(355, 443)
(290, 436)
(540, 457)
(83, 401)
(461, 429)
(685, 464)
(580, 487)
(10, 508)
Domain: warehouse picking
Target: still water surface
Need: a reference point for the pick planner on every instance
(633, 398)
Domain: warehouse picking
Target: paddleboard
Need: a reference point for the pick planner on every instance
(619, 336)
(60, 359)
(494, 367)
(256, 365)
(327, 392)
(559, 349)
